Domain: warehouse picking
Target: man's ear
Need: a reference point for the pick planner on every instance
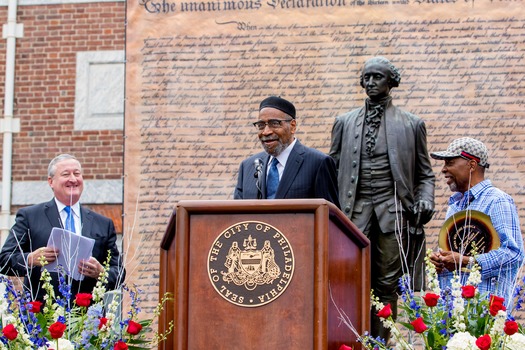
(293, 125)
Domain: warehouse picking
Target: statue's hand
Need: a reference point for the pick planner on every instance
(423, 211)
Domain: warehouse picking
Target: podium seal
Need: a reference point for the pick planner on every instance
(468, 230)
(251, 263)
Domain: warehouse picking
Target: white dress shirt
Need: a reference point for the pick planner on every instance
(75, 209)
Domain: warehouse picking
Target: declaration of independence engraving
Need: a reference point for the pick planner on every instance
(251, 263)
(196, 73)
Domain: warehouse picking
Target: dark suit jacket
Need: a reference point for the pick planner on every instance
(31, 231)
(406, 139)
(308, 173)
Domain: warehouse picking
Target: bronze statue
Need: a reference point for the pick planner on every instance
(386, 182)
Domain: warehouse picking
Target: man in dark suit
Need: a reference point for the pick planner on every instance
(386, 182)
(297, 171)
(26, 244)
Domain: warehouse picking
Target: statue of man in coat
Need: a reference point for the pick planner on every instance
(386, 183)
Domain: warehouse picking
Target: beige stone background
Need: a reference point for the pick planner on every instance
(197, 70)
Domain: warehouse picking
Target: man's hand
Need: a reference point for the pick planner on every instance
(423, 211)
(448, 260)
(435, 258)
(90, 268)
(48, 254)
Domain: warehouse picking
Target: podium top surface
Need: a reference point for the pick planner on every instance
(261, 206)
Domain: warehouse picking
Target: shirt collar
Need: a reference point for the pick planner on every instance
(75, 207)
(474, 192)
(283, 157)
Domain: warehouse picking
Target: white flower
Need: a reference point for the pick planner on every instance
(9, 318)
(459, 324)
(474, 277)
(462, 341)
(387, 323)
(26, 339)
(98, 293)
(3, 306)
(63, 344)
(59, 312)
(432, 276)
(113, 306)
(516, 342)
(499, 323)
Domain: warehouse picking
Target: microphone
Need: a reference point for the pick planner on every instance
(258, 164)
(258, 167)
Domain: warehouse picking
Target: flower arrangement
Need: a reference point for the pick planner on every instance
(455, 318)
(84, 323)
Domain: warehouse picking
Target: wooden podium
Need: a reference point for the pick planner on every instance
(263, 274)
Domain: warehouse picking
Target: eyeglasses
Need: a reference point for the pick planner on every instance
(272, 123)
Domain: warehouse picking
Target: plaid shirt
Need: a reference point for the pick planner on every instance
(499, 267)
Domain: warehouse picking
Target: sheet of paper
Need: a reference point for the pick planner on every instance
(73, 249)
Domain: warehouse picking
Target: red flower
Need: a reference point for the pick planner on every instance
(511, 327)
(83, 299)
(431, 299)
(34, 306)
(483, 342)
(385, 312)
(468, 292)
(345, 347)
(57, 330)
(10, 332)
(120, 345)
(496, 299)
(102, 322)
(419, 325)
(134, 327)
(496, 304)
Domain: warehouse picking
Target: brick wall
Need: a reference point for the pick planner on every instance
(45, 90)
(45, 87)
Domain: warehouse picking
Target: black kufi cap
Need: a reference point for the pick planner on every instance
(280, 104)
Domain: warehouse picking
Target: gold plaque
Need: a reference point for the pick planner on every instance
(251, 263)
(467, 230)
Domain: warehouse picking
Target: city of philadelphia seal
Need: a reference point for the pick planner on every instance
(251, 263)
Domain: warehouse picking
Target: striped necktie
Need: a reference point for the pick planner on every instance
(273, 180)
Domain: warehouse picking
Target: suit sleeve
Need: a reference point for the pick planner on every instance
(117, 272)
(326, 182)
(425, 178)
(239, 187)
(13, 257)
(335, 145)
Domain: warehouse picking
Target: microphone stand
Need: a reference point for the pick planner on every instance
(258, 175)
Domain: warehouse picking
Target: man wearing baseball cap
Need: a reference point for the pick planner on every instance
(465, 162)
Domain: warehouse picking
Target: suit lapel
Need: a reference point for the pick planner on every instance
(294, 162)
(52, 214)
(264, 172)
(394, 131)
(87, 221)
